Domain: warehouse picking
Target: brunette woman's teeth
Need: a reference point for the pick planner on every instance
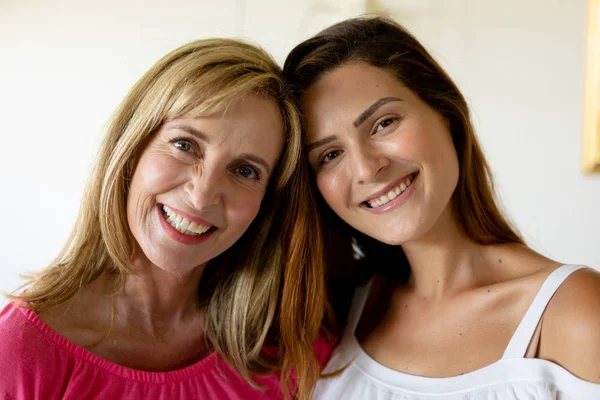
(392, 194)
(182, 224)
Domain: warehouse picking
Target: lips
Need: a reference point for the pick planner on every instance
(184, 228)
(391, 192)
(184, 225)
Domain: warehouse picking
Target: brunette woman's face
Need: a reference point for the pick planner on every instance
(383, 159)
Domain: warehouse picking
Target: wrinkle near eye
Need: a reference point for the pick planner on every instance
(198, 168)
(252, 186)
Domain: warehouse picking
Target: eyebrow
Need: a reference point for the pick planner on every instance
(320, 143)
(256, 159)
(369, 111)
(192, 131)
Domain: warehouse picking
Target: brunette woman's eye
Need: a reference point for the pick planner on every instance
(330, 156)
(384, 124)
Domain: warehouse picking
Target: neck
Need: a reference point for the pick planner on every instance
(154, 298)
(444, 261)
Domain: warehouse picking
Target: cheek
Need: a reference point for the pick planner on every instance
(411, 142)
(443, 157)
(156, 173)
(452, 171)
(245, 208)
(331, 186)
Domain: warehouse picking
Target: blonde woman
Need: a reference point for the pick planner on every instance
(187, 274)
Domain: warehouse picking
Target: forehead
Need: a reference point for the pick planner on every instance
(252, 123)
(348, 90)
(356, 78)
(251, 113)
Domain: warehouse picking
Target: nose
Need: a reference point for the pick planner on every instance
(205, 187)
(366, 163)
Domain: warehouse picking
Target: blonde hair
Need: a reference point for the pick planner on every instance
(269, 287)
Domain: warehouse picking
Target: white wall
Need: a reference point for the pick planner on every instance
(66, 64)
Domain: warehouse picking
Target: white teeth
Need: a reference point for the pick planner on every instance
(391, 195)
(184, 225)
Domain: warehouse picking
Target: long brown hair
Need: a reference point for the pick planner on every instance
(268, 289)
(383, 43)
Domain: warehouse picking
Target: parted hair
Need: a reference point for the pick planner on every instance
(383, 43)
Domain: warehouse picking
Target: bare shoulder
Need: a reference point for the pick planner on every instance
(82, 320)
(519, 264)
(570, 333)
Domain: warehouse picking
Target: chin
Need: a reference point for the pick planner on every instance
(392, 238)
(394, 241)
(174, 263)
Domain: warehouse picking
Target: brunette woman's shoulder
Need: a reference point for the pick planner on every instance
(570, 334)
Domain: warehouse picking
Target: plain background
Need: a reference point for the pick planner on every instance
(66, 64)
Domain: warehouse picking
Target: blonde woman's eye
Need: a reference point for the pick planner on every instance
(183, 145)
(330, 156)
(384, 124)
(248, 172)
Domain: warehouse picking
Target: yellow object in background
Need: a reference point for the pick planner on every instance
(591, 122)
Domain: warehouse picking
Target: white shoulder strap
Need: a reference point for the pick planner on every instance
(517, 347)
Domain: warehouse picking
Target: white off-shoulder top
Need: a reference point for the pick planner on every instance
(510, 378)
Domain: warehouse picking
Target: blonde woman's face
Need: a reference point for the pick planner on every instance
(199, 183)
(383, 159)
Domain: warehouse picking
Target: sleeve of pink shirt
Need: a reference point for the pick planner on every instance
(29, 367)
(323, 349)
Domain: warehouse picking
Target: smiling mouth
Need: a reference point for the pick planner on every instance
(184, 225)
(392, 193)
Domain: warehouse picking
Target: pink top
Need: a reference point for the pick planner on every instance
(37, 363)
